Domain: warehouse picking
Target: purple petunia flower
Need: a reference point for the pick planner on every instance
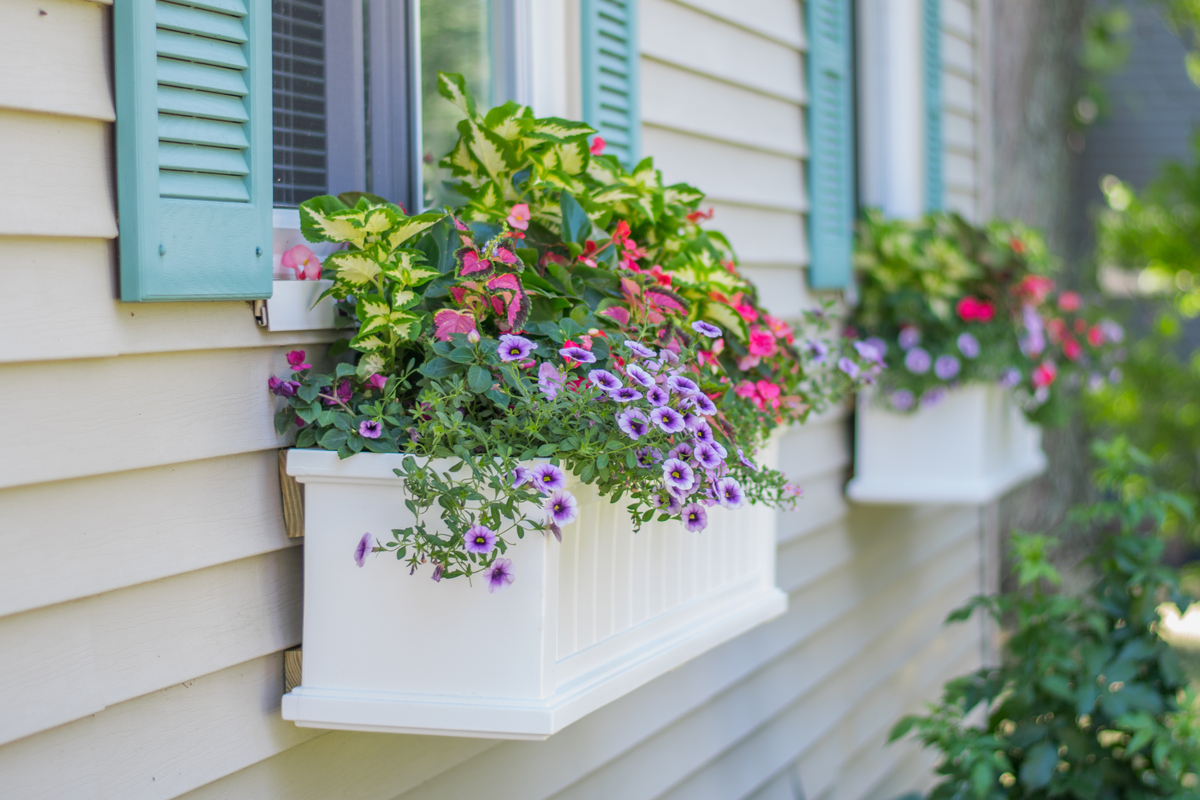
(703, 404)
(705, 329)
(677, 474)
(690, 420)
(683, 493)
(682, 385)
(909, 337)
(682, 451)
(625, 394)
(500, 575)
(667, 419)
(932, 397)
(1112, 331)
(604, 380)
(946, 367)
(436, 577)
(729, 493)
(902, 399)
(548, 478)
(633, 423)
(968, 345)
(521, 476)
(295, 360)
(639, 376)
(514, 348)
(818, 351)
(706, 456)
(849, 367)
(703, 432)
(550, 380)
(668, 358)
(362, 549)
(873, 349)
(674, 504)
(721, 451)
(577, 354)
(917, 361)
(639, 350)
(479, 539)
(282, 388)
(370, 429)
(657, 396)
(561, 508)
(695, 517)
(647, 457)
(747, 463)
(1010, 377)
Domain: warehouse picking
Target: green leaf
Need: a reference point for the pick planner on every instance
(1039, 764)
(439, 368)
(462, 355)
(478, 379)
(575, 226)
(333, 439)
(548, 449)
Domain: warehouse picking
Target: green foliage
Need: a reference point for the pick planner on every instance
(1088, 701)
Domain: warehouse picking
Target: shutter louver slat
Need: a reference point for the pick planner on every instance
(168, 16)
(194, 158)
(208, 105)
(189, 130)
(932, 52)
(610, 75)
(190, 47)
(201, 186)
(185, 74)
(831, 139)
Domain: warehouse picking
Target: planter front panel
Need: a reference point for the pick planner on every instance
(583, 623)
(970, 448)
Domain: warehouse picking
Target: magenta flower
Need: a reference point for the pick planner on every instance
(968, 345)
(514, 348)
(282, 388)
(682, 385)
(909, 337)
(902, 399)
(706, 455)
(639, 350)
(500, 575)
(682, 451)
(549, 380)
(677, 474)
(917, 361)
(705, 329)
(747, 463)
(362, 549)
(479, 539)
(548, 478)
(849, 367)
(370, 429)
(647, 457)
(657, 396)
(520, 477)
(577, 354)
(667, 419)
(376, 381)
(604, 380)
(344, 392)
(295, 360)
(561, 508)
(625, 394)
(633, 423)
(729, 493)
(946, 367)
(639, 376)
(695, 517)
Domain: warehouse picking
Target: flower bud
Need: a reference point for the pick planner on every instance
(473, 337)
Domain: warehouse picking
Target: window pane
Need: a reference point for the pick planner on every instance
(456, 36)
(299, 100)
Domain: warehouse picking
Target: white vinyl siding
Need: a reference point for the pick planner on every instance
(962, 112)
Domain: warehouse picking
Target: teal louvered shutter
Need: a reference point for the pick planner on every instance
(932, 62)
(610, 75)
(831, 144)
(193, 83)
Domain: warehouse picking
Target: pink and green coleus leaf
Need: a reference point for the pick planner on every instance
(449, 321)
(472, 265)
(510, 300)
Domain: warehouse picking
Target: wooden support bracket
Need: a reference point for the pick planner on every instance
(292, 496)
(292, 663)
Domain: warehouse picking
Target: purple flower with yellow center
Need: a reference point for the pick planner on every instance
(548, 478)
(521, 476)
(500, 575)
(1010, 377)
(626, 394)
(479, 539)
(514, 348)
(657, 396)
(932, 397)
(703, 432)
(902, 399)
(917, 360)
(561, 508)
(362, 549)
(633, 423)
(706, 329)
(909, 337)
(729, 493)
(968, 345)
(668, 358)
(677, 475)
(695, 517)
(721, 451)
(690, 420)
(639, 376)
(668, 503)
(946, 367)
(577, 354)
(647, 457)
(706, 455)
(639, 350)
(682, 385)
(747, 463)
(549, 380)
(369, 429)
(682, 451)
(667, 419)
(687, 491)
(703, 404)
(604, 380)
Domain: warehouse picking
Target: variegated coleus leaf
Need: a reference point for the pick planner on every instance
(645, 175)
(556, 129)
(356, 225)
(572, 156)
(510, 300)
(727, 318)
(472, 265)
(352, 268)
(449, 321)
(604, 170)
(509, 121)
(684, 194)
(454, 88)
(406, 228)
(490, 150)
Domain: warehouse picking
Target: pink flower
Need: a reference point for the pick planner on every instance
(762, 343)
(748, 313)
(1069, 301)
(974, 310)
(295, 359)
(778, 327)
(376, 381)
(303, 262)
(1044, 374)
(598, 145)
(518, 216)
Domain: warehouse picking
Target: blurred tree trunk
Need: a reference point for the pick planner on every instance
(1036, 79)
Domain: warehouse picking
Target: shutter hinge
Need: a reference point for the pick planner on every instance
(259, 307)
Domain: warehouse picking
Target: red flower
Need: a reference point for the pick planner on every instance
(1069, 301)
(597, 146)
(1035, 288)
(697, 216)
(971, 309)
(1017, 245)
(1044, 374)
(1072, 349)
(1095, 336)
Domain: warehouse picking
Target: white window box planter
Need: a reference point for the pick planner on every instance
(291, 304)
(584, 622)
(971, 448)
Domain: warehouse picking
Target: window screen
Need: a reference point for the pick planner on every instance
(298, 51)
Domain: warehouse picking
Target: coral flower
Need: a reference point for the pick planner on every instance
(518, 216)
(500, 575)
